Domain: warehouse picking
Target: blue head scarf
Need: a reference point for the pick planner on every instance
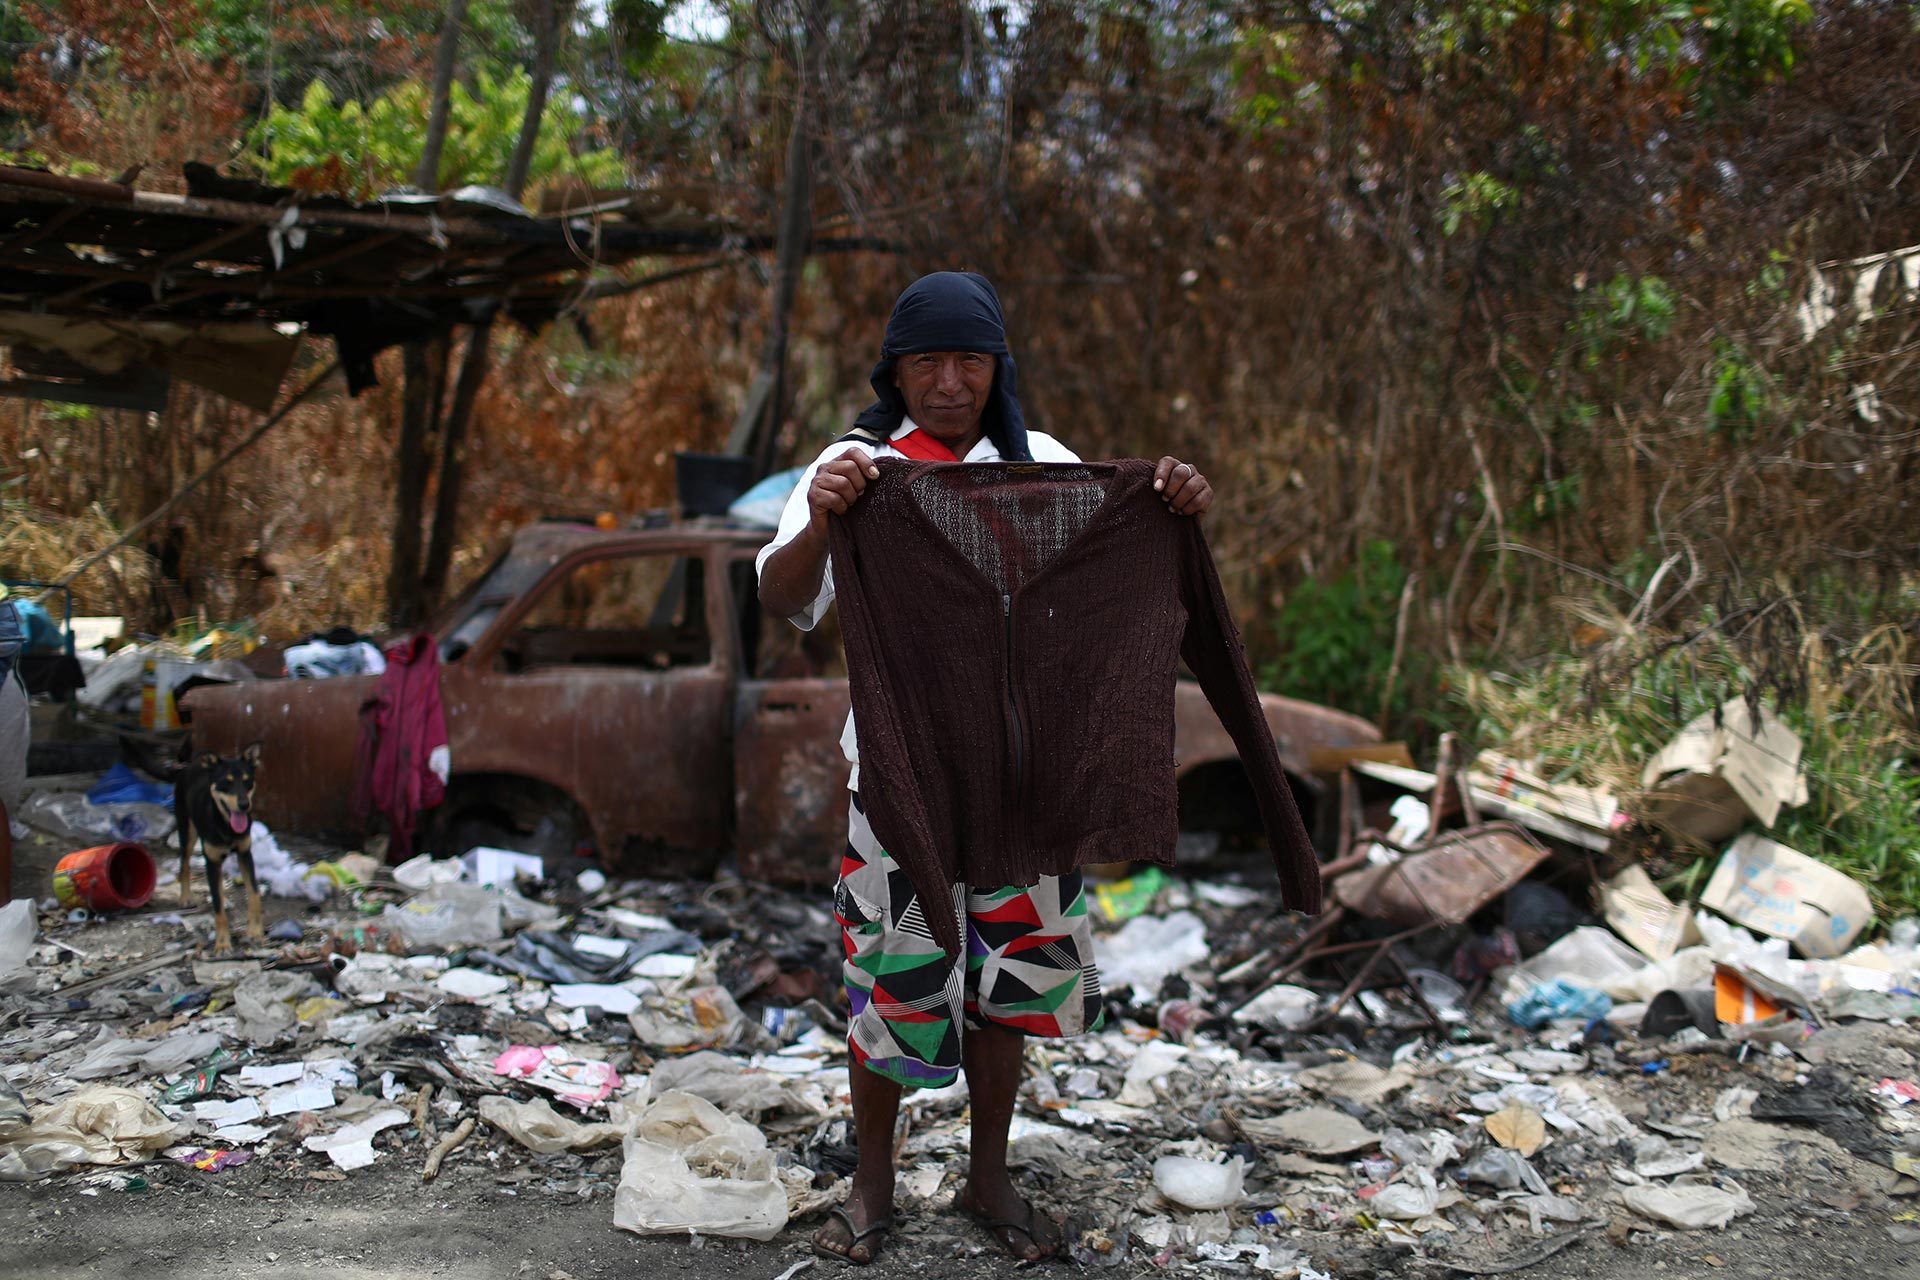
(950, 311)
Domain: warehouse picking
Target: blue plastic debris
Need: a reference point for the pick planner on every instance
(1558, 999)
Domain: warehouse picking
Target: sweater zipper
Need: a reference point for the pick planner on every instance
(1013, 713)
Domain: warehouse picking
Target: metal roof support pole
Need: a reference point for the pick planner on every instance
(453, 460)
(424, 366)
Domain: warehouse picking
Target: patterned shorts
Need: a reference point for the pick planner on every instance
(1029, 964)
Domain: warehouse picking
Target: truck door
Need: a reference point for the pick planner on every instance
(611, 683)
(790, 778)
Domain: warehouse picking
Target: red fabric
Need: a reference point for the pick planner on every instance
(921, 447)
(401, 726)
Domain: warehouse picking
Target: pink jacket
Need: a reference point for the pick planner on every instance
(403, 763)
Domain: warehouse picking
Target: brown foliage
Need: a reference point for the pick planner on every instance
(1307, 295)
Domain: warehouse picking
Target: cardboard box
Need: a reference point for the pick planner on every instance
(1723, 771)
(1637, 910)
(1515, 781)
(1783, 893)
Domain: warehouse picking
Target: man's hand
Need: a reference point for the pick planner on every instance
(1182, 487)
(836, 485)
(791, 577)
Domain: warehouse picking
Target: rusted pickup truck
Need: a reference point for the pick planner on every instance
(629, 682)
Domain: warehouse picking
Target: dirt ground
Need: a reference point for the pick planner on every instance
(383, 1222)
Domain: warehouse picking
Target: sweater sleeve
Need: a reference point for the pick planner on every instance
(1212, 651)
(896, 808)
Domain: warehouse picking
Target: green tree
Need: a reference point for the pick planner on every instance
(324, 143)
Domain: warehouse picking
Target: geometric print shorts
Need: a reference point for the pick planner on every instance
(1029, 964)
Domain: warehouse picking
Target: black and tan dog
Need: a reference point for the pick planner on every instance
(213, 803)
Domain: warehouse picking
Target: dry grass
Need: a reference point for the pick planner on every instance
(1596, 718)
(44, 546)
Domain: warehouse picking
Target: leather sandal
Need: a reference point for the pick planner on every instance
(877, 1229)
(1049, 1247)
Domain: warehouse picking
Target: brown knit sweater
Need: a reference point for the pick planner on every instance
(1013, 634)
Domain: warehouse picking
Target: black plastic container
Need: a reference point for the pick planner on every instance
(706, 484)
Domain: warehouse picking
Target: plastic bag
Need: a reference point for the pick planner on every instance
(1156, 1059)
(1415, 1197)
(98, 1125)
(691, 1167)
(462, 915)
(705, 1017)
(580, 1081)
(423, 871)
(728, 1084)
(1507, 1170)
(1200, 1184)
(110, 1056)
(1692, 1203)
(264, 1003)
(1685, 969)
(1286, 1005)
(1412, 1150)
(537, 1127)
(446, 915)
(68, 815)
(372, 973)
(1558, 999)
(17, 927)
(762, 504)
(1148, 948)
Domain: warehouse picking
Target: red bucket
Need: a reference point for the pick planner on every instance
(109, 877)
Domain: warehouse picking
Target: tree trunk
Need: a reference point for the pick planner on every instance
(453, 460)
(548, 16)
(426, 174)
(759, 418)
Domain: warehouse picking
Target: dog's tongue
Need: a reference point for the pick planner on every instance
(238, 821)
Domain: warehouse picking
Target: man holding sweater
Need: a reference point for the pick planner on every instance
(947, 391)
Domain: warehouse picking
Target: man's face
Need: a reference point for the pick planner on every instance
(946, 391)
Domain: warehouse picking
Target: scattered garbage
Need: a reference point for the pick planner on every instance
(1481, 1049)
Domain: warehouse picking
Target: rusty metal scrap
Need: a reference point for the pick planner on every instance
(1445, 881)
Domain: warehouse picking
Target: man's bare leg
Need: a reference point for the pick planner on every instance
(876, 1110)
(992, 1056)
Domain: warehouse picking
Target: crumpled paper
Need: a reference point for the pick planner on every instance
(351, 1146)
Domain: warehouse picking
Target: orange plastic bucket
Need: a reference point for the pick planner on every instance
(109, 877)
